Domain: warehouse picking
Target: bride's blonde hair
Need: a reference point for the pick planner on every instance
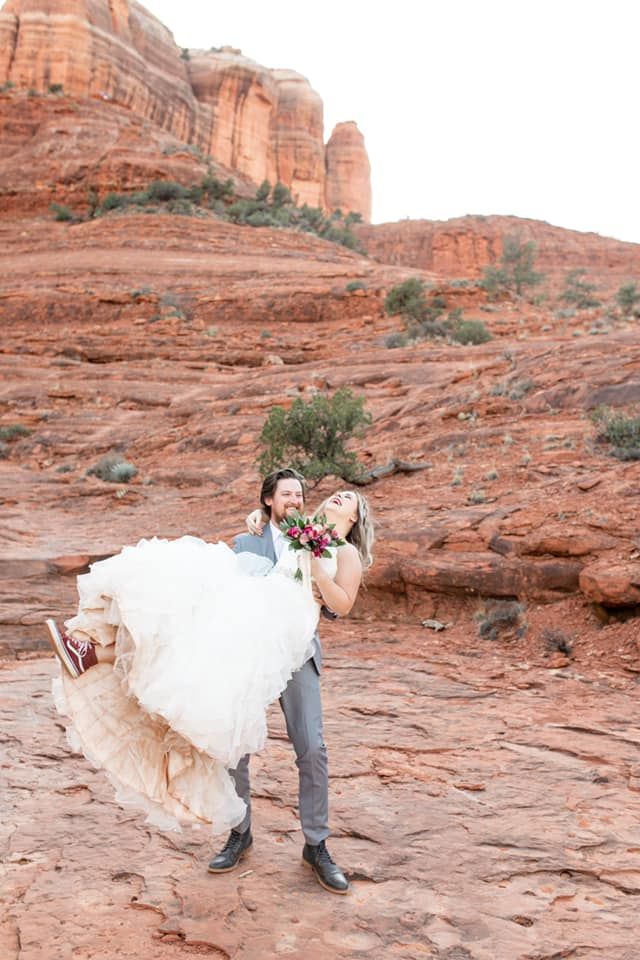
(362, 533)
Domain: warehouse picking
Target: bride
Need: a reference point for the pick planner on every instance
(179, 646)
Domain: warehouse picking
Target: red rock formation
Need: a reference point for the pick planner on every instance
(463, 247)
(348, 185)
(298, 132)
(240, 99)
(264, 124)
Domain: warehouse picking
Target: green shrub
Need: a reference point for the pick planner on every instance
(407, 298)
(56, 88)
(182, 207)
(470, 331)
(13, 431)
(112, 468)
(218, 189)
(113, 201)
(516, 268)
(620, 431)
(263, 191)
(396, 340)
(62, 213)
(628, 296)
(281, 195)
(422, 317)
(578, 291)
(311, 436)
(162, 191)
(354, 285)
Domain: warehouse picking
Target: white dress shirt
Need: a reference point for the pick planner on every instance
(278, 539)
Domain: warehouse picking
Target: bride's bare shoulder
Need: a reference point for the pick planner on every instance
(347, 553)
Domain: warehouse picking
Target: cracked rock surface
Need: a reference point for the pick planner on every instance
(481, 806)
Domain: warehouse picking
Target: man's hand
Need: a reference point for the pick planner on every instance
(256, 522)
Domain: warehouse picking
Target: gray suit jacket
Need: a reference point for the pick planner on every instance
(263, 547)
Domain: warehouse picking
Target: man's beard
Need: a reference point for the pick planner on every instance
(276, 520)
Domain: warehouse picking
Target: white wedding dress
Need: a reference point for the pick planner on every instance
(205, 639)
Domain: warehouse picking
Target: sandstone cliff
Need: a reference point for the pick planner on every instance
(348, 173)
(262, 123)
(463, 247)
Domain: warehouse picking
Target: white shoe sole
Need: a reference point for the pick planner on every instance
(57, 645)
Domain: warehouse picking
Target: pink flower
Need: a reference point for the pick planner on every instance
(294, 532)
(304, 537)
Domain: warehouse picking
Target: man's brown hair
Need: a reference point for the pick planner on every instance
(270, 483)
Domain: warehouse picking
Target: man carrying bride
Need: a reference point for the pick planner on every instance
(178, 648)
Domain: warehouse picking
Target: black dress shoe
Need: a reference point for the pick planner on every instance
(328, 874)
(232, 853)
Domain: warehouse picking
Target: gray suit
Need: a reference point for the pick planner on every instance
(302, 708)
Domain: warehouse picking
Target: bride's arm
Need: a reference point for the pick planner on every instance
(256, 522)
(340, 594)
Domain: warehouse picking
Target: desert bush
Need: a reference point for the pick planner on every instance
(396, 340)
(162, 191)
(62, 213)
(516, 270)
(113, 468)
(281, 195)
(56, 88)
(422, 316)
(578, 291)
(407, 298)
(513, 389)
(218, 189)
(556, 639)
(502, 618)
(181, 207)
(628, 297)
(354, 285)
(311, 436)
(470, 332)
(622, 432)
(13, 431)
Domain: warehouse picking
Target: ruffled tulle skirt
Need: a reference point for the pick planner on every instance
(204, 641)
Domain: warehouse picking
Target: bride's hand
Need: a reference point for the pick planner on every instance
(256, 522)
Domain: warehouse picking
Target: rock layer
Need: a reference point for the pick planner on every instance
(464, 246)
(482, 811)
(262, 123)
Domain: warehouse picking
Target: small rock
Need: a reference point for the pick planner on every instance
(436, 625)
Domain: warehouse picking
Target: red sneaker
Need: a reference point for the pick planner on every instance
(75, 655)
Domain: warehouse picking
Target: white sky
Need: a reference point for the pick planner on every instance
(466, 106)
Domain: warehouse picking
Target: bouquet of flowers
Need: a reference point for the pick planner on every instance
(314, 535)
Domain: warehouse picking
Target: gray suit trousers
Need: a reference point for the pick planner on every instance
(302, 708)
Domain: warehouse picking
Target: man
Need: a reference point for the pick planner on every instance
(283, 491)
